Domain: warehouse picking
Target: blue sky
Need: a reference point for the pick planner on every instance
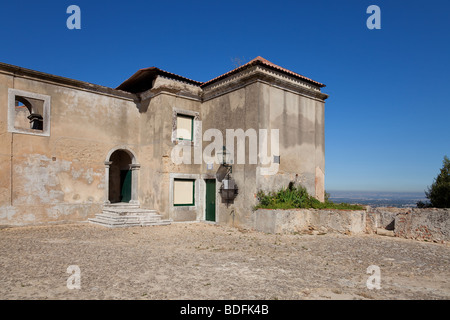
(387, 118)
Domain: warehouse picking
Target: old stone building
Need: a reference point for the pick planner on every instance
(71, 150)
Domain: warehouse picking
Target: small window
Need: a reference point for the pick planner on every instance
(28, 112)
(184, 192)
(185, 127)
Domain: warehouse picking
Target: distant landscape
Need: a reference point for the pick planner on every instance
(378, 199)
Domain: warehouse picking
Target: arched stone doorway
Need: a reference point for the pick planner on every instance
(121, 173)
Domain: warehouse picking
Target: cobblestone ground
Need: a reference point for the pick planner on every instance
(204, 261)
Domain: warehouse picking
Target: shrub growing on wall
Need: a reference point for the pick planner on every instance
(297, 197)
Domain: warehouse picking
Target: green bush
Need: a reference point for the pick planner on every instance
(439, 191)
(297, 197)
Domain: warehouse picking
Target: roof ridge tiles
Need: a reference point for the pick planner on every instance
(265, 62)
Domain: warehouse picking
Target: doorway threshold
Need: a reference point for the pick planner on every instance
(121, 205)
(195, 221)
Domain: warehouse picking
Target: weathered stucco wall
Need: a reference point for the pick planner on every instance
(299, 119)
(253, 104)
(236, 109)
(61, 177)
(156, 129)
(5, 144)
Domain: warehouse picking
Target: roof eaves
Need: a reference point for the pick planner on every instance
(131, 84)
(24, 72)
(262, 61)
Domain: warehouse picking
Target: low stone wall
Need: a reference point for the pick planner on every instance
(413, 223)
(424, 224)
(302, 220)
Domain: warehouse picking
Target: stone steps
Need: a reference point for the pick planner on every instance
(124, 215)
(120, 205)
(131, 212)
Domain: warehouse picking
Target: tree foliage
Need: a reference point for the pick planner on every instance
(439, 191)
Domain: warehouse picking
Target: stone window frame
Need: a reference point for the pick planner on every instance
(192, 204)
(185, 176)
(196, 127)
(12, 94)
(179, 115)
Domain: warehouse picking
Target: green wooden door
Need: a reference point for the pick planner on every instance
(210, 200)
(125, 183)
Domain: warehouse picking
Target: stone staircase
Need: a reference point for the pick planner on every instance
(118, 215)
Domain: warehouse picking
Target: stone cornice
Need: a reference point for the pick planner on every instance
(151, 93)
(29, 74)
(266, 75)
(238, 81)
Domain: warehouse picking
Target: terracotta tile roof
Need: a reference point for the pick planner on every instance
(167, 73)
(261, 60)
(143, 78)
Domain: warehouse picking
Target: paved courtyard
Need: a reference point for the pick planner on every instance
(205, 261)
